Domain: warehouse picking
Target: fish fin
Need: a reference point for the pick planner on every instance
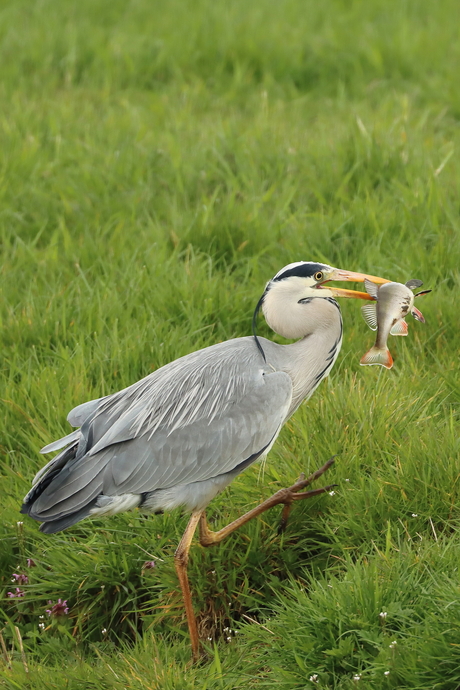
(424, 292)
(371, 288)
(414, 283)
(369, 312)
(417, 314)
(377, 355)
(399, 328)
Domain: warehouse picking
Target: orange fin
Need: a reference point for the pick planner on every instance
(377, 355)
(400, 328)
(417, 314)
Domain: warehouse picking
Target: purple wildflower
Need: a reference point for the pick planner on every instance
(149, 565)
(31, 563)
(15, 595)
(59, 609)
(20, 578)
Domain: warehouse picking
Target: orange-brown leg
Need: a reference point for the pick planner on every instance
(180, 562)
(284, 496)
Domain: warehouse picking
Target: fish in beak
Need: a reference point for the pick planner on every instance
(393, 302)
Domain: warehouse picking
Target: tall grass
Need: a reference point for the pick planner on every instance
(160, 161)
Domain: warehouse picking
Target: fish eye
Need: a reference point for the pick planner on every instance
(318, 276)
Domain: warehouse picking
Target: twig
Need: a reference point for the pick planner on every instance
(248, 618)
(21, 647)
(434, 531)
(5, 651)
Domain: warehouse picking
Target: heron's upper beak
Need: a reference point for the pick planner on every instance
(339, 274)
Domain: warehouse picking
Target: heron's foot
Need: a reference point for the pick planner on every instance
(284, 497)
(292, 493)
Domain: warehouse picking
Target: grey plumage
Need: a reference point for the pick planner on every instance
(180, 435)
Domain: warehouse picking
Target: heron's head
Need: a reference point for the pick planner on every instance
(299, 300)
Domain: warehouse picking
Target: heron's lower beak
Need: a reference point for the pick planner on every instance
(339, 274)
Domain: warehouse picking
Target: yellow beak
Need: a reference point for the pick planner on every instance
(339, 274)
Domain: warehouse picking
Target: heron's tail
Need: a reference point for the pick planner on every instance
(47, 504)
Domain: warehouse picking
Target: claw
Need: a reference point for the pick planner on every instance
(284, 517)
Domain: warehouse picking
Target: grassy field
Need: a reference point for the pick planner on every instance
(159, 162)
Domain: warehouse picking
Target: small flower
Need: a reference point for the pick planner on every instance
(357, 676)
(386, 673)
(59, 609)
(383, 614)
(31, 563)
(104, 631)
(149, 565)
(347, 480)
(414, 515)
(393, 644)
(20, 578)
(229, 639)
(314, 678)
(19, 524)
(331, 493)
(41, 626)
(15, 595)
(210, 639)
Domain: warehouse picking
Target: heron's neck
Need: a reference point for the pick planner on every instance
(309, 360)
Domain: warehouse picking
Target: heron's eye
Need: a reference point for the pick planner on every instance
(318, 276)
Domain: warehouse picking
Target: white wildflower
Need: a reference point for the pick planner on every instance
(386, 673)
(331, 493)
(383, 614)
(357, 676)
(414, 515)
(393, 644)
(314, 678)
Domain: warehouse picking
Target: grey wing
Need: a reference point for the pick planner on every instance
(203, 450)
(201, 416)
(80, 414)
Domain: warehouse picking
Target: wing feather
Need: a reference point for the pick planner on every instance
(194, 419)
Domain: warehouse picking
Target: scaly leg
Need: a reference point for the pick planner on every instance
(284, 496)
(180, 562)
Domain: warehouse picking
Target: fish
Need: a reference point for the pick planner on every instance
(386, 314)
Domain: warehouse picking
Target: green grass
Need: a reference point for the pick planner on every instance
(159, 162)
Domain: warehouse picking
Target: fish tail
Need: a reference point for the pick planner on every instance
(378, 355)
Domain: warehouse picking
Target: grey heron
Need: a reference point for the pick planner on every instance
(180, 435)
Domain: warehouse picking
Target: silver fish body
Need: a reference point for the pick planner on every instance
(393, 302)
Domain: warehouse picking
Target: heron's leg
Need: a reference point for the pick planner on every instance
(180, 563)
(284, 496)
